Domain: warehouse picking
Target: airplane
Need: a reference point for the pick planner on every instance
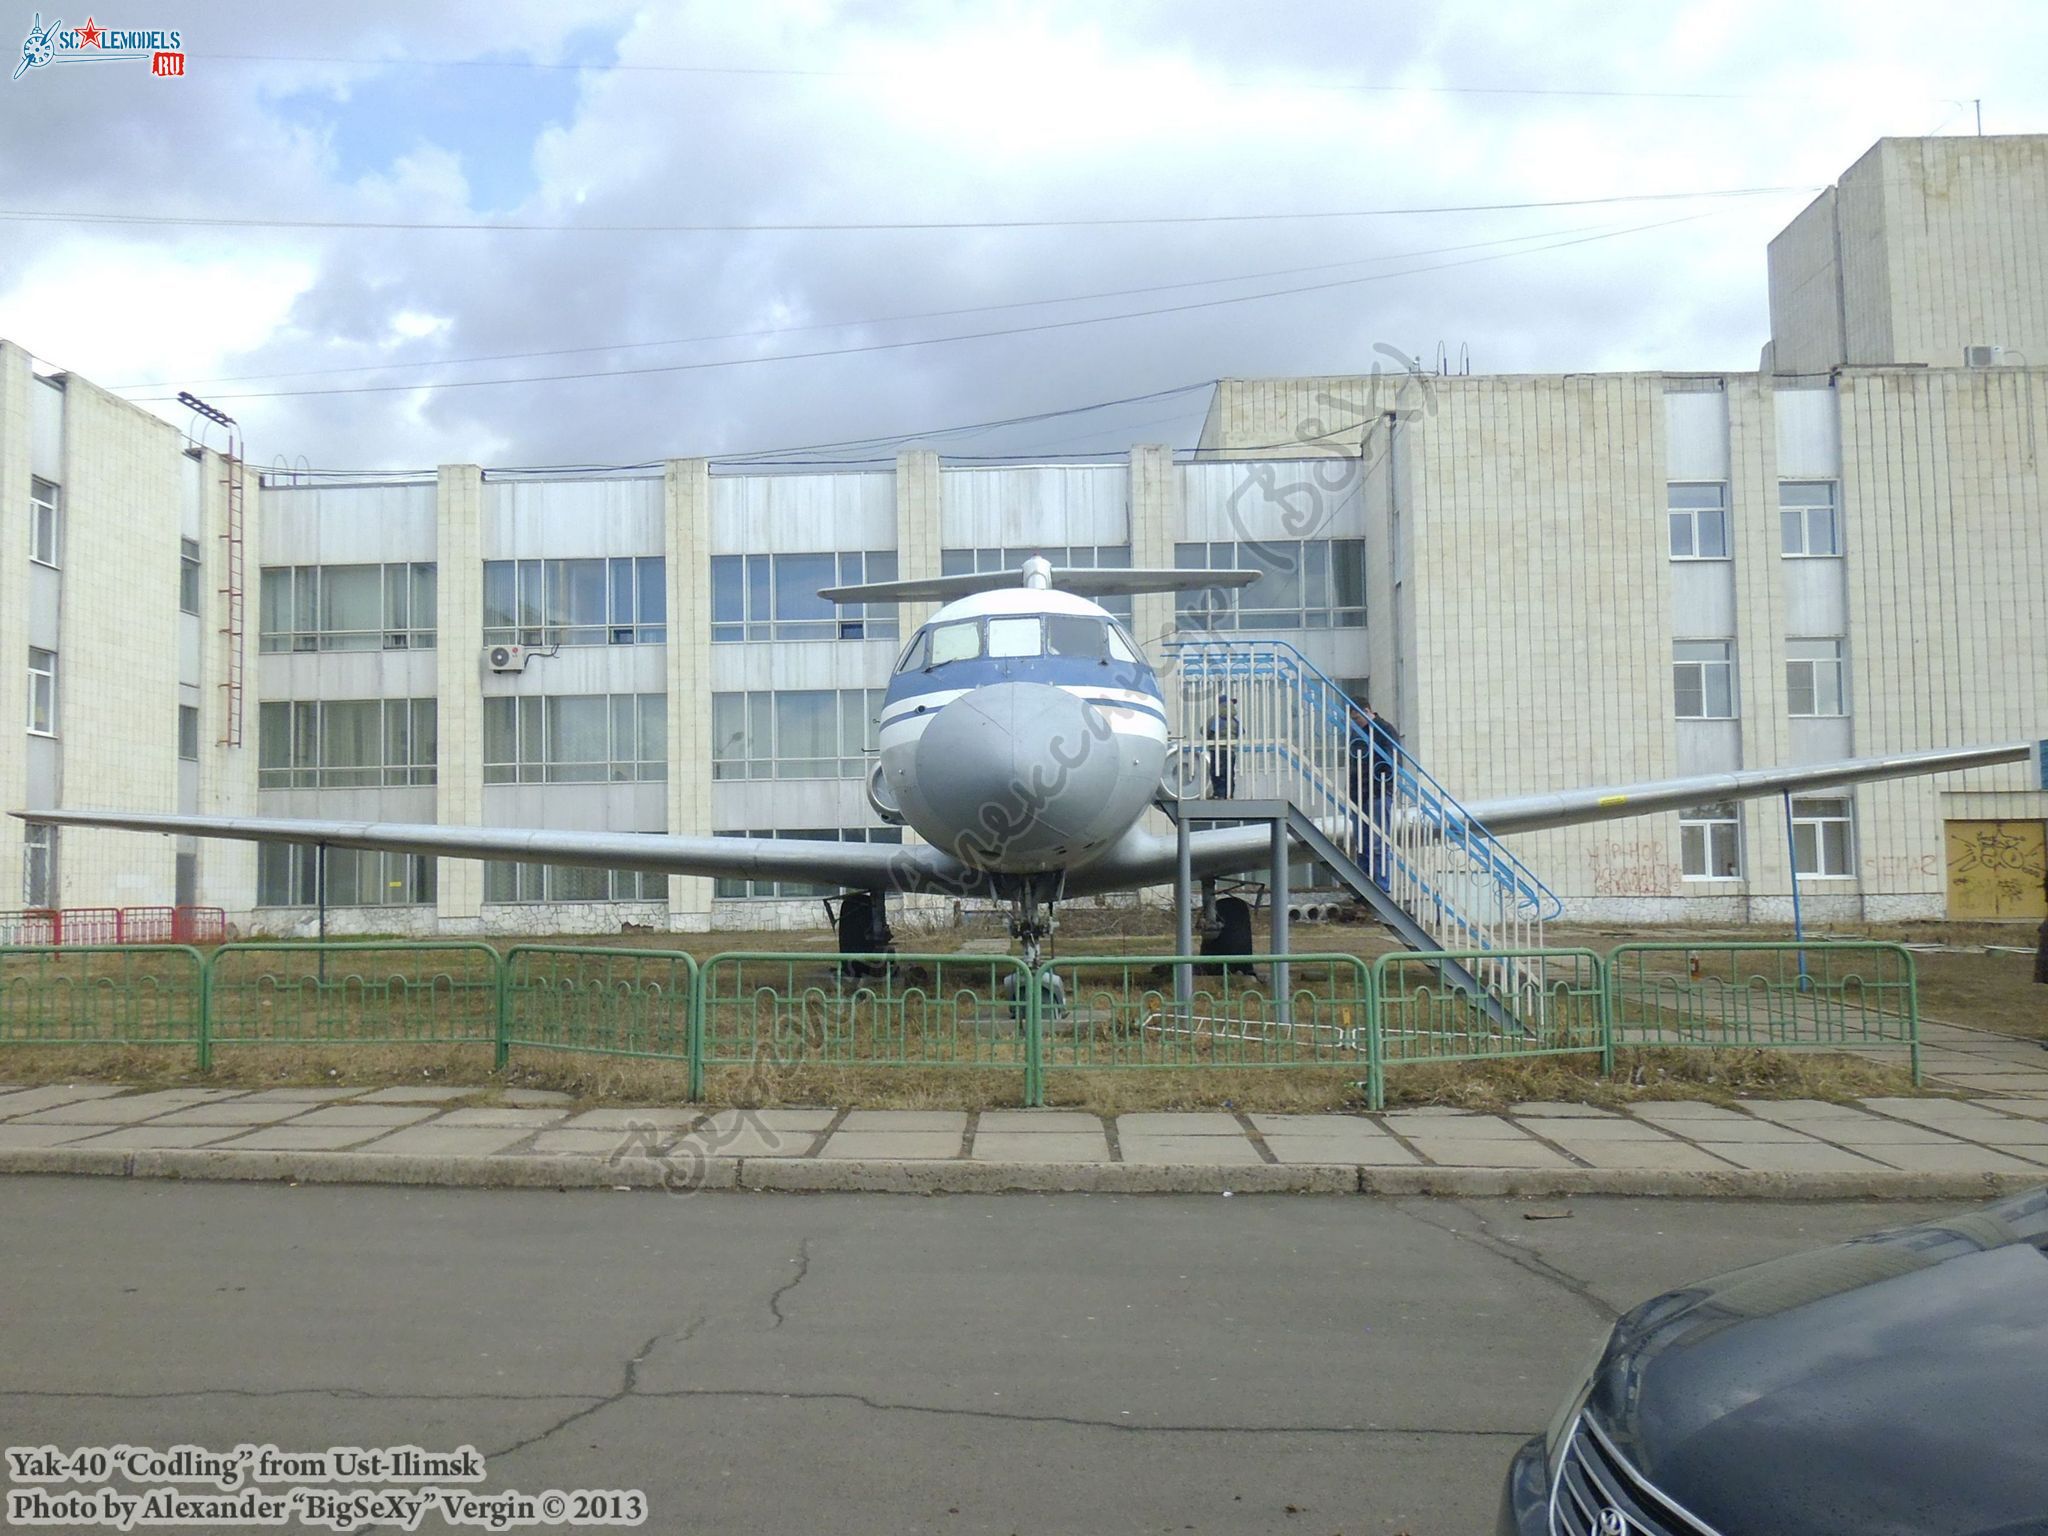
(1023, 736)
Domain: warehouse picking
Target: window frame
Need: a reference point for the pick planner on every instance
(300, 732)
(962, 561)
(1814, 669)
(188, 576)
(43, 696)
(737, 888)
(1804, 521)
(188, 733)
(1724, 826)
(1703, 666)
(534, 883)
(45, 522)
(1691, 517)
(417, 873)
(1815, 825)
(747, 593)
(740, 717)
(39, 864)
(404, 587)
(1331, 564)
(536, 727)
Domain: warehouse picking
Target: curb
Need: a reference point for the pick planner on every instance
(962, 1177)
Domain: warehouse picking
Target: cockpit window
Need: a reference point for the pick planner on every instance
(914, 653)
(956, 642)
(1120, 645)
(1069, 634)
(1015, 637)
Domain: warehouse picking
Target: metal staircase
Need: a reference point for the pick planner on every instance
(1360, 804)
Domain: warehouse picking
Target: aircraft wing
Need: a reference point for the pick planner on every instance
(857, 866)
(1567, 807)
(1082, 583)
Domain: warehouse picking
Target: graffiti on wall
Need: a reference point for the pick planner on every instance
(1632, 869)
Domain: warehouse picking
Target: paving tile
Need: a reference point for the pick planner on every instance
(16, 1137)
(234, 1112)
(2036, 1109)
(748, 1141)
(1801, 1109)
(893, 1144)
(1957, 1157)
(531, 1119)
(1662, 1156)
(533, 1097)
(137, 1138)
(1439, 1112)
(121, 1111)
(1314, 1125)
(783, 1120)
(596, 1143)
(951, 1120)
(1787, 1157)
(1208, 1151)
(1875, 1131)
(1546, 1109)
(439, 1093)
(1614, 1128)
(1453, 1151)
(298, 1137)
(1065, 1122)
(452, 1141)
(1744, 1132)
(621, 1119)
(1471, 1128)
(365, 1114)
(1372, 1151)
(1969, 1121)
(1997, 1082)
(1658, 1110)
(300, 1095)
(1041, 1146)
(1190, 1123)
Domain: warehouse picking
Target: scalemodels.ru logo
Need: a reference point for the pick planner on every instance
(162, 50)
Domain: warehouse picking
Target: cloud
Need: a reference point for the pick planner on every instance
(930, 111)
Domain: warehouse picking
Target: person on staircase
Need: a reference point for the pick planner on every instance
(1223, 733)
(1372, 790)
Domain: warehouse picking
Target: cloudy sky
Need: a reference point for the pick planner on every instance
(1025, 130)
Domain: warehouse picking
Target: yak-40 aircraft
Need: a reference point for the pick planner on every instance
(1023, 736)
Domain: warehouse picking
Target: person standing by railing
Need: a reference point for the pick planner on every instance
(1372, 790)
(1223, 733)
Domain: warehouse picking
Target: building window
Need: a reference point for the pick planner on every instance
(1703, 678)
(1821, 841)
(794, 733)
(188, 575)
(1086, 557)
(775, 597)
(44, 543)
(505, 881)
(576, 738)
(348, 607)
(1699, 519)
(1809, 518)
(288, 875)
(1710, 841)
(38, 864)
(1303, 584)
(346, 744)
(42, 692)
(546, 603)
(732, 889)
(188, 732)
(1814, 682)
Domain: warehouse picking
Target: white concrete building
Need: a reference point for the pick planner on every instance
(1540, 581)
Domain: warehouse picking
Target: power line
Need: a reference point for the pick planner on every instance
(834, 325)
(883, 226)
(928, 341)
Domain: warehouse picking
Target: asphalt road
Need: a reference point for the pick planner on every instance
(856, 1363)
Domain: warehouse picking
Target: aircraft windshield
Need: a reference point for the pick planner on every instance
(956, 642)
(1015, 637)
(1120, 645)
(914, 653)
(1069, 634)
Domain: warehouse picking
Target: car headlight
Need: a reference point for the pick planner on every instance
(1559, 1432)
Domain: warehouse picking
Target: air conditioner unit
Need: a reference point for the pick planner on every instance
(506, 658)
(1982, 357)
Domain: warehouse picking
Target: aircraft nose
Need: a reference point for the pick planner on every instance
(1019, 770)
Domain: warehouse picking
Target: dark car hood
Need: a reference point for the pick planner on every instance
(1897, 1384)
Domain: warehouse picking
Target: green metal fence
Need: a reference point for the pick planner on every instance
(802, 1017)
(396, 993)
(1844, 995)
(125, 994)
(786, 1014)
(614, 1002)
(1549, 1002)
(1122, 1012)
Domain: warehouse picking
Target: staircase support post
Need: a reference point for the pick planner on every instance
(1278, 943)
(1183, 908)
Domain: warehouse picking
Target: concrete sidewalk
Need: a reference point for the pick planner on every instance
(1936, 1148)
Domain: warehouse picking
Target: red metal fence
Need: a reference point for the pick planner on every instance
(114, 925)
